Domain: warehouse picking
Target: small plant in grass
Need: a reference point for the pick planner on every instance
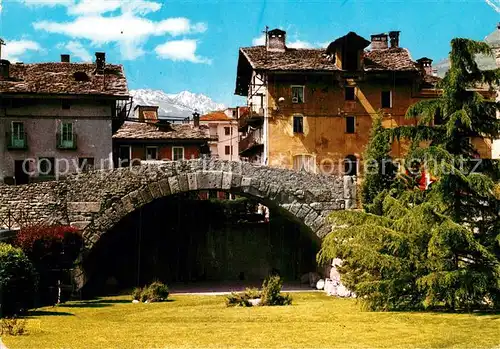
(13, 326)
(136, 294)
(271, 292)
(155, 292)
(243, 299)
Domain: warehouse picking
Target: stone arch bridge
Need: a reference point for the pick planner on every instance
(96, 201)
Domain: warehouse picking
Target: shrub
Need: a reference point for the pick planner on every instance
(155, 292)
(271, 292)
(136, 294)
(52, 250)
(242, 299)
(38, 241)
(18, 281)
(13, 326)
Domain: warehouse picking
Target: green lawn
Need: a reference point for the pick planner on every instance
(313, 321)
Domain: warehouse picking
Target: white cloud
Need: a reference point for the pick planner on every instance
(323, 44)
(141, 7)
(180, 50)
(259, 41)
(77, 50)
(128, 30)
(86, 7)
(13, 50)
(48, 2)
(495, 5)
(0, 5)
(300, 44)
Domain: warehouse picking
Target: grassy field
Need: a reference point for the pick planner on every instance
(313, 321)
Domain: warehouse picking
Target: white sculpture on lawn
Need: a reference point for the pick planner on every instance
(333, 285)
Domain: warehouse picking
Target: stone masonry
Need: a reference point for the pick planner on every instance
(96, 201)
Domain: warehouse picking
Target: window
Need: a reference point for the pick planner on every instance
(227, 131)
(86, 164)
(66, 104)
(18, 137)
(386, 99)
(177, 153)
(46, 166)
(124, 156)
(17, 130)
(350, 166)
(227, 150)
(67, 132)
(350, 124)
(297, 94)
(350, 93)
(298, 124)
(304, 162)
(151, 153)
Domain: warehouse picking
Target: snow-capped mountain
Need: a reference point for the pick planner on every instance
(179, 105)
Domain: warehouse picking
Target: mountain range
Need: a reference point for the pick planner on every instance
(178, 105)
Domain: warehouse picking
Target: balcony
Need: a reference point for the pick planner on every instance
(66, 144)
(18, 141)
(251, 144)
(254, 118)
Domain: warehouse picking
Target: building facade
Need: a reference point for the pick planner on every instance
(224, 126)
(58, 118)
(313, 109)
(494, 41)
(149, 138)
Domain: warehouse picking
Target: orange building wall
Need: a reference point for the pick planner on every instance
(324, 114)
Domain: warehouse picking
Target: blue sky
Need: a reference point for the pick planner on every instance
(193, 45)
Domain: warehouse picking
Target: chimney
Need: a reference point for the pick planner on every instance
(379, 41)
(276, 40)
(394, 36)
(4, 69)
(100, 61)
(196, 118)
(425, 65)
(65, 58)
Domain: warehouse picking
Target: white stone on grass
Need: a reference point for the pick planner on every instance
(255, 301)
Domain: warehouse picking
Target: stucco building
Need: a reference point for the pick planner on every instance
(494, 41)
(224, 126)
(58, 118)
(313, 108)
(149, 138)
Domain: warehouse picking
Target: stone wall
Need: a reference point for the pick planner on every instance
(98, 200)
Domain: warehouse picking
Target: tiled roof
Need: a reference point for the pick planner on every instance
(431, 80)
(216, 116)
(393, 59)
(148, 131)
(292, 59)
(60, 78)
(390, 59)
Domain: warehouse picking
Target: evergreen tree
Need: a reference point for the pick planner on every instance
(439, 247)
(379, 169)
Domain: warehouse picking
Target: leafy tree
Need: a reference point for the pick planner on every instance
(18, 281)
(438, 247)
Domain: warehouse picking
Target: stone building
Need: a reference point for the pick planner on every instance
(494, 41)
(224, 126)
(57, 118)
(149, 138)
(313, 108)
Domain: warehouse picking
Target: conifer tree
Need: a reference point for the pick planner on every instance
(379, 169)
(439, 247)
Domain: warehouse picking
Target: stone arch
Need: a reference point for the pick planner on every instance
(98, 200)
